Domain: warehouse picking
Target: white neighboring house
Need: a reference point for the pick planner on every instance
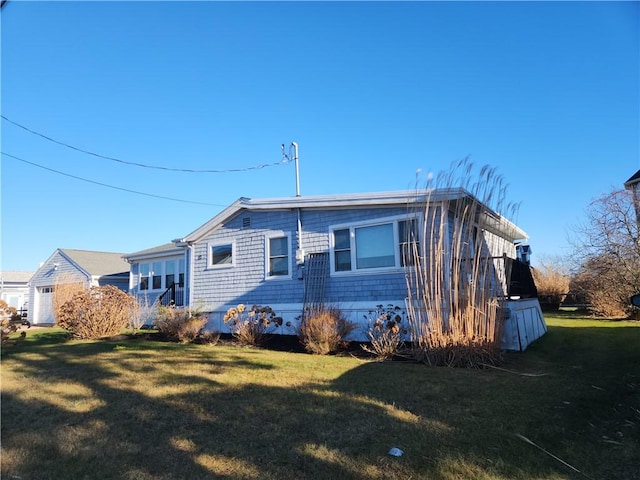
(73, 266)
(14, 289)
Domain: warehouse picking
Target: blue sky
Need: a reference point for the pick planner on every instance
(545, 92)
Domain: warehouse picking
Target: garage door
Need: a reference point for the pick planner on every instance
(43, 312)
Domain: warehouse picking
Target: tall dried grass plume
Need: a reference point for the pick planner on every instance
(459, 281)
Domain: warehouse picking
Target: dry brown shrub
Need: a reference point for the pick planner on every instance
(96, 312)
(386, 330)
(324, 331)
(182, 324)
(248, 326)
(66, 286)
(551, 282)
(9, 321)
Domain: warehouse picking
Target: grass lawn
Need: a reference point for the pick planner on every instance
(135, 409)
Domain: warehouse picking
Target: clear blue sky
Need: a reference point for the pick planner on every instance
(545, 92)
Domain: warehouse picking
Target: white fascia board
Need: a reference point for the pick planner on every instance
(403, 197)
(215, 222)
(174, 252)
(355, 200)
(496, 223)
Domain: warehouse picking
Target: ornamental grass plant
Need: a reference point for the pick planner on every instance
(457, 283)
(324, 330)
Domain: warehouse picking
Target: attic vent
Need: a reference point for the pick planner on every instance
(246, 222)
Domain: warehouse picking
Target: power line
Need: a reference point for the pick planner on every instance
(110, 186)
(284, 160)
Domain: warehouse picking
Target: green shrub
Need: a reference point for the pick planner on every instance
(182, 324)
(249, 326)
(324, 331)
(386, 329)
(96, 312)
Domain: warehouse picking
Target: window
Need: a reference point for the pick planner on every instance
(342, 250)
(375, 247)
(169, 273)
(277, 256)
(221, 255)
(161, 275)
(181, 271)
(408, 235)
(144, 276)
(156, 276)
(368, 246)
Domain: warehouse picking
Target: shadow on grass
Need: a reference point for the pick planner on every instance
(165, 411)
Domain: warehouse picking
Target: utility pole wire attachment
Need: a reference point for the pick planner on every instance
(287, 158)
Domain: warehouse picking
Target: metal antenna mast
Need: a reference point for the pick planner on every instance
(294, 147)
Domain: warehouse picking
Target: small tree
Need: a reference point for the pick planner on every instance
(607, 254)
(96, 312)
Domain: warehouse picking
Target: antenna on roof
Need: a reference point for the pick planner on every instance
(294, 147)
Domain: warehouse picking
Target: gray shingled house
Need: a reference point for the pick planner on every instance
(293, 252)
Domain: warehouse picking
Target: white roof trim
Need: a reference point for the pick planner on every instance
(355, 200)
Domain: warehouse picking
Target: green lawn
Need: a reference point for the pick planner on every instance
(149, 410)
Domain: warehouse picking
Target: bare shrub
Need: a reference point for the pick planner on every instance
(600, 282)
(323, 331)
(387, 325)
(209, 338)
(9, 321)
(143, 313)
(182, 324)
(249, 326)
(458, 284)
(66, 286)
(552, 282)
(96, 312)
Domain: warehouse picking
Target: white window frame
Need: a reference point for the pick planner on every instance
(352, 226)
(267, 256)
(210, 246)
(163, 273)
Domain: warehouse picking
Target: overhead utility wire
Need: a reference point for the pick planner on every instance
(142, 165)
(111, 186)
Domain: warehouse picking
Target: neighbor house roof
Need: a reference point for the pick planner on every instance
(97, 263)
(357, 200)
(12, 276)
(165, 250)
(634, 179)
